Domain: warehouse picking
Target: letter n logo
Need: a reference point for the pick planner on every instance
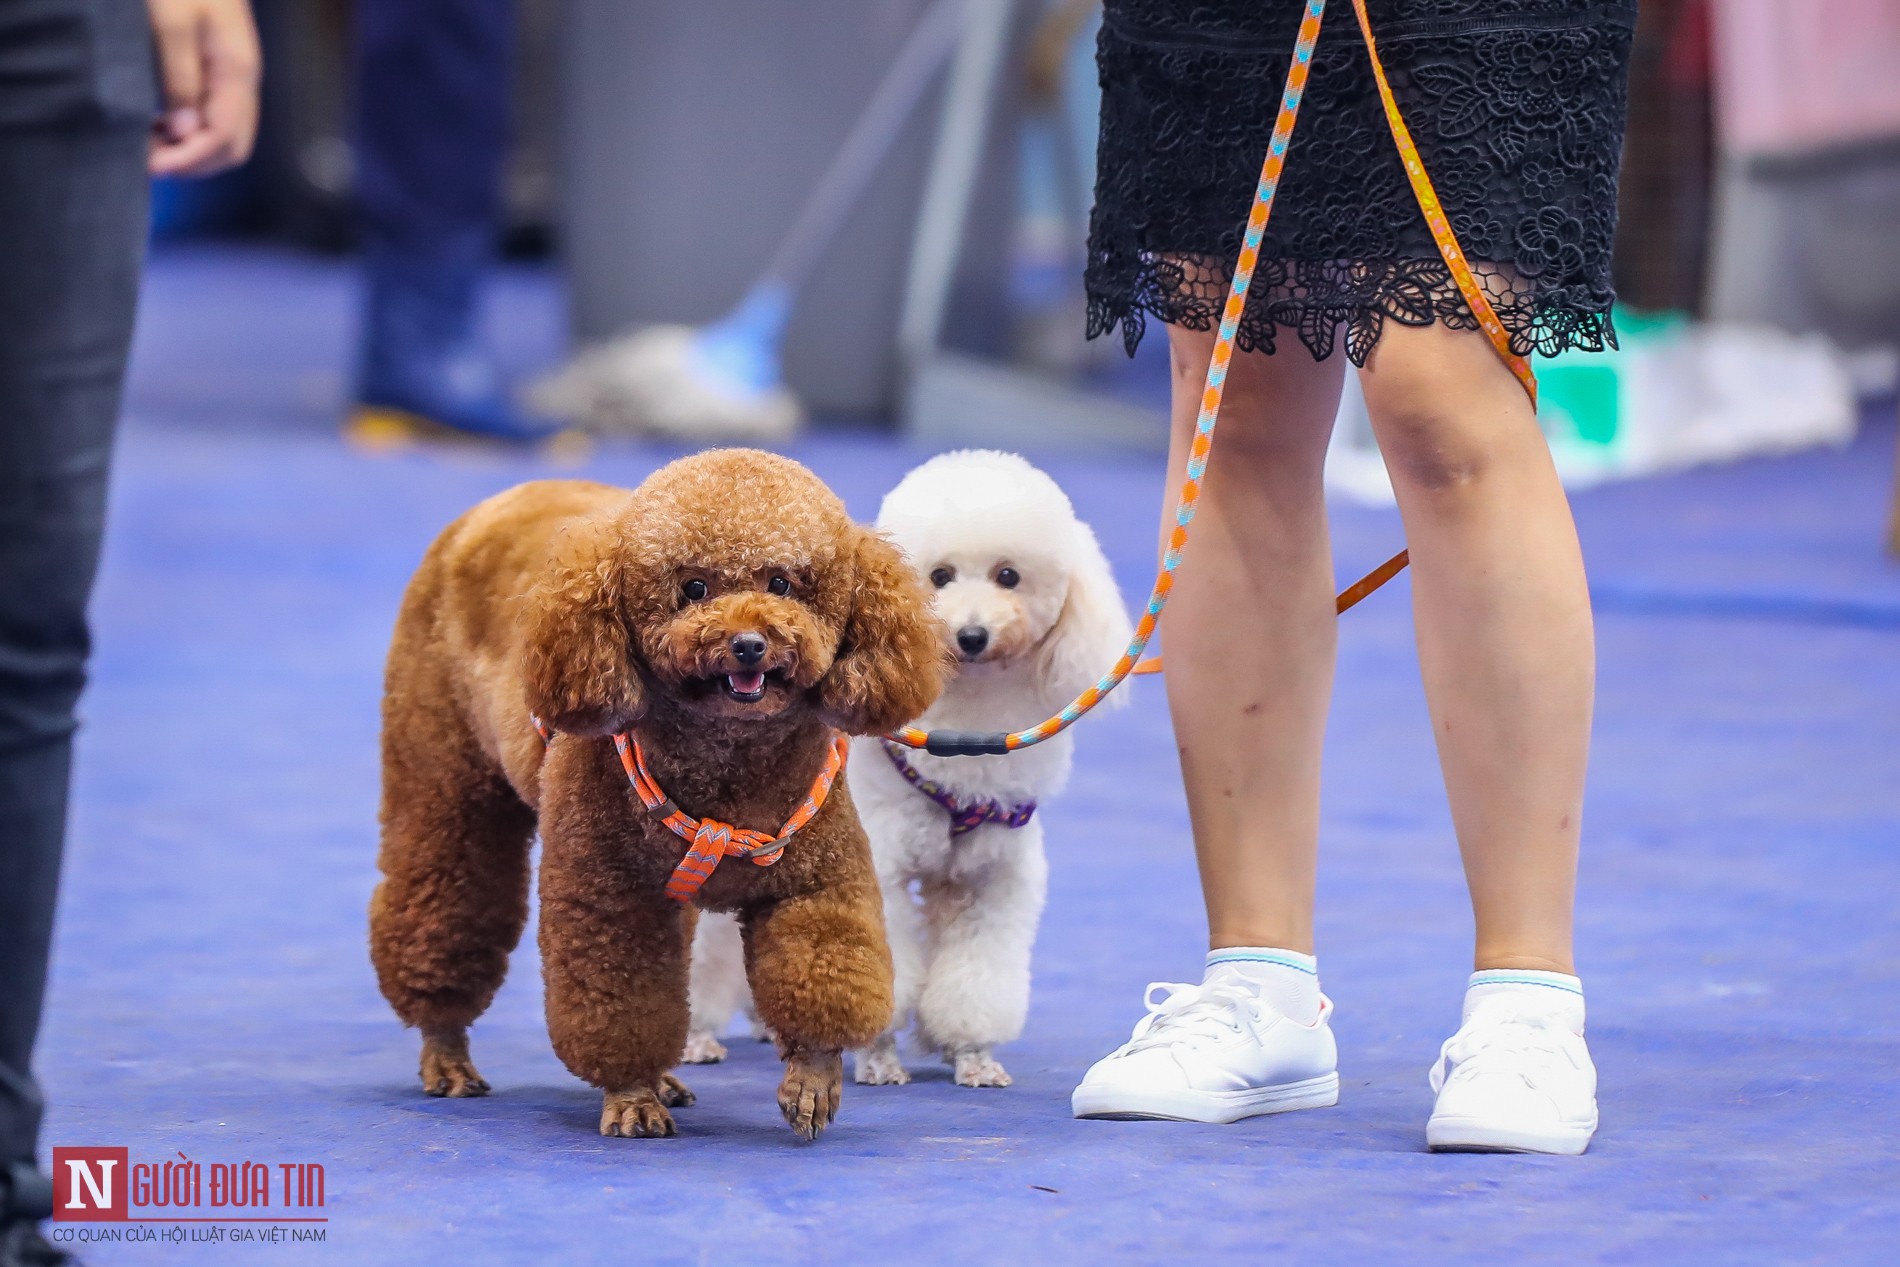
(89, 1183)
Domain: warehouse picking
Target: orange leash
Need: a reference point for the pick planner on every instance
(1442, 236)
(708, 840)
(1348, 598)
(952, 743)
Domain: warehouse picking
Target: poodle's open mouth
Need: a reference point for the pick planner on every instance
(747, 688)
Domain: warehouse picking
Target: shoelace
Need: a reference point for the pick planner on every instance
(1534, 1041)
(1189, 1013)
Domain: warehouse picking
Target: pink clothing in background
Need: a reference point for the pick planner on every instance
(1794, 76)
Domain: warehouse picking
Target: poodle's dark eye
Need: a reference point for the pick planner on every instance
(1008, 578)
(779, 585)
(694, 590)
(941, 577)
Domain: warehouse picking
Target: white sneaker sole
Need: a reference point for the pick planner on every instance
(1127, 1104)
(1474, 1135)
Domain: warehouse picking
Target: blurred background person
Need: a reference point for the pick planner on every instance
(83, 119)
(431, 125)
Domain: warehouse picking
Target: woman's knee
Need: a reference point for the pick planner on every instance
(1446, 412)
(1276, 412)
(1428, 449)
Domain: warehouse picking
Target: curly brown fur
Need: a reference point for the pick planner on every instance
(571, 600)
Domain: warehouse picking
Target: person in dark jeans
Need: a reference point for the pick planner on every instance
(81, 125)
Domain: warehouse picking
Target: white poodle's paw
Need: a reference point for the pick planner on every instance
(763, 1033)
(979, 1069)
(880, 1065)
(703, 1049)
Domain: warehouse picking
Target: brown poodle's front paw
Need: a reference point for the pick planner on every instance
(813, 1087)
(635, 1115)
(673, 1093)
(702, 1049)
(446, 1068)
(979, 1069)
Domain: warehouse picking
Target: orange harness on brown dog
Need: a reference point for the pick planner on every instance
(708, 840)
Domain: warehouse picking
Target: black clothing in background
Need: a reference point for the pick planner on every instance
(76, 101)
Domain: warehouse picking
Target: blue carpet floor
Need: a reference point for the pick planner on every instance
(212, 994)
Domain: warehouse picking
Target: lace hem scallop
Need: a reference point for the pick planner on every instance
(1317, 299)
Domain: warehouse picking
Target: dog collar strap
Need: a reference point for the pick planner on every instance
(707, 839)
(963, 817)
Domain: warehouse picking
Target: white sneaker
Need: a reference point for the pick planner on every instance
(1214, 1052)
(1516, 1077)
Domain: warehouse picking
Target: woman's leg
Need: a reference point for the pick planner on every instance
(1504, 629)
(1250, 637)
(1250, 641)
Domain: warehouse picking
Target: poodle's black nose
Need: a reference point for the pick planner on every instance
(972, 639)
(748, 648)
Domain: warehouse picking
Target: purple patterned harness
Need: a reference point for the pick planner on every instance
(963, 818)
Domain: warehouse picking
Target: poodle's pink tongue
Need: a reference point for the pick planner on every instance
(746, 683)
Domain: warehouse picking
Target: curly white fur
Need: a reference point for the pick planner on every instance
(962, 913)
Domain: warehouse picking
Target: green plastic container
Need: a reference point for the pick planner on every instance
(1583, 397)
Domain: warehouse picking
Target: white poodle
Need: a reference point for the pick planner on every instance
(1033, 615)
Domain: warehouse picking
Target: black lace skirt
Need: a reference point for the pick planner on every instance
(1516, 107)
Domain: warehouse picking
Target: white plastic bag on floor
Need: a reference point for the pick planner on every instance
(1683, 396)
(1716, 393)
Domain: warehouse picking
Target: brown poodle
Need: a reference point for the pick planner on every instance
(731, 617)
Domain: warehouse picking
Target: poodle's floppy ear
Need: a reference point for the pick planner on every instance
(576, 661)
(891, 660)
(1092, 631)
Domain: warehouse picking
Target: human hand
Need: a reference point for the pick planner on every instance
(209, 63)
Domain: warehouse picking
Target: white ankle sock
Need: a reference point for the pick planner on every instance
(1288, 979)
(1557, 992)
